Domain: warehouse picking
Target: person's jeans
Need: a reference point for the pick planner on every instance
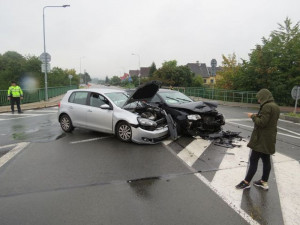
(12, 103)
(255, 156)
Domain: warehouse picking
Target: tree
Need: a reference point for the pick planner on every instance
(115, 80)
(106, 80)
(152, 69)
(230, 70)
(275, 64)
(197, 81)
(172, 75)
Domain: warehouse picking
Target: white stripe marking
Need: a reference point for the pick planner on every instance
(25, 116)
(193, 151)
(236, 208)
(277, 132)
(9, 155)
(288, 131)
(230, 120)
(231, 171)
(89, 140)
(7, 146)
(287, 121)
(287, 172)
(231, 204)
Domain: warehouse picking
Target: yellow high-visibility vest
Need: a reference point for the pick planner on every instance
(14, 91)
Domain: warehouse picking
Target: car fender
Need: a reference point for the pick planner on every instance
(124, 115)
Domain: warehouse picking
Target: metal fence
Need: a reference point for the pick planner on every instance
(36, 95)
(219, 94)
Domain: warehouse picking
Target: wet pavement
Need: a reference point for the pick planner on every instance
(88, 177)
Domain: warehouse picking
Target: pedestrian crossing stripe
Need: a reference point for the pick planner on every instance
(232, 170)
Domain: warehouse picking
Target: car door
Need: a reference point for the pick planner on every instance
(97, 118)
(77, 108)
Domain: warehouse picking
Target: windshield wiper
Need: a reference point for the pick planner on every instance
(184, 99)
(172, 98)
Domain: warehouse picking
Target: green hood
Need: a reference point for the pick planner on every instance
(264, 95)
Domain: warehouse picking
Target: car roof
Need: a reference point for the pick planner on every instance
(100, 90)
(166, 90)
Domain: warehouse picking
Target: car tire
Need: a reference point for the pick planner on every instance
(124, 132)
(66, 123)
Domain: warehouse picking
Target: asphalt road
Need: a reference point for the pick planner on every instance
(92, 178)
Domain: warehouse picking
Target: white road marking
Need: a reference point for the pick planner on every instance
(230, 120)
(292, 132)
(228, 201)
(193, 151)
(7, 146)
(89, 140)
(24, 116)
(232, 171)
(287, 121)
(47, 111)
(9, 155)
(277, 132)
(287, 172)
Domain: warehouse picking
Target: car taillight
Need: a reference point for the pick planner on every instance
(59, 105)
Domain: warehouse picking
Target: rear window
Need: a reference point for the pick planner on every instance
(78, 97)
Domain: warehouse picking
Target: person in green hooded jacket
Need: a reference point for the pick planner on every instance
(14, 94)
(263, 139)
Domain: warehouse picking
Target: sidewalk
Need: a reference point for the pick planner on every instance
(35, 105)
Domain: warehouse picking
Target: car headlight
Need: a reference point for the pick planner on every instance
(194, 117)
(146, 122)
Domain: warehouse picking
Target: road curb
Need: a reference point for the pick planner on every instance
(35, 105)
(289, 118)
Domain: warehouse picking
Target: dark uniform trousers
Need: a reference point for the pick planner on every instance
(13, 101)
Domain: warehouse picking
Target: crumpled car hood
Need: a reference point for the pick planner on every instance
(199, 107)
(144, 91)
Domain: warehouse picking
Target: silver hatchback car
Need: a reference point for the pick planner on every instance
(115, 112)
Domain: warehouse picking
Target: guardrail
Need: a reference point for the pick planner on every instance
(36, 95)
(219, 94)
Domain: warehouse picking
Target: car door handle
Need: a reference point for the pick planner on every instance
(90, 110)
(70, 107)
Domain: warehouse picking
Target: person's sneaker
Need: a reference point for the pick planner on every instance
(12, 112)
(242, 185)
(20, 112)
(261, 184)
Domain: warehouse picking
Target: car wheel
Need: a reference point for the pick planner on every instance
(66, 123)
(124, 132)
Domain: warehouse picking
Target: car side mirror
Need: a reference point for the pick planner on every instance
(105, 106)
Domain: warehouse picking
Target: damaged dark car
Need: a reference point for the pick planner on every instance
(188, 117)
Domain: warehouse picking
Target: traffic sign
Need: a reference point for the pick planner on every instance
(44, 67)
(295, 92)
(70, 76)
(45, 57)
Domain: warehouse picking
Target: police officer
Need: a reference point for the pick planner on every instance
(14, 94)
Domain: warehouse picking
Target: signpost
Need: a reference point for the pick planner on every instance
(45, 58)
(70, 77)
(295, 95)
(44, 66)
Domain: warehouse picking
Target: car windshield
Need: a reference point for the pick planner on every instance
(174, 97)
(118, 98)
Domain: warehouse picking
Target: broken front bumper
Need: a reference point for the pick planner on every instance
(142, 136)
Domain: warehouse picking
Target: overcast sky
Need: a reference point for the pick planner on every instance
(104, 34)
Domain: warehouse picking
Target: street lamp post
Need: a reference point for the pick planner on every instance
(44, 36)
(139, 67)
